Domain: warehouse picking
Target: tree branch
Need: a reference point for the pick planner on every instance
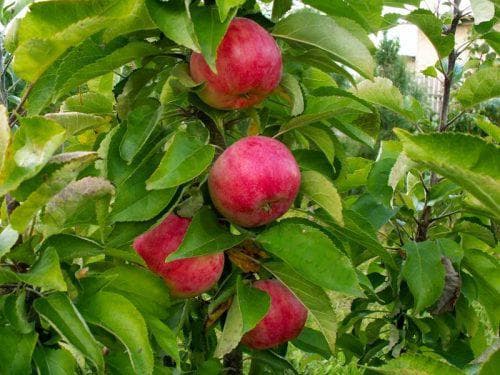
(425, 219)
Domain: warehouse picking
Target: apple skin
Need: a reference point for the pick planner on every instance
(184, 277)
(248, 64)
(254, 181)
(284, 320)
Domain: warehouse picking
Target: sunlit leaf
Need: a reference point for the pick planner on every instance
(64, 317)
(118, 315)
(318, 260)
(31, 148)
(466, 160)
(320, 31)
(424, 273)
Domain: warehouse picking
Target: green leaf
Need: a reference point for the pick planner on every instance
(33, 145)
(430, 71)
(402, 3)
(205, 236)
(69, 247)
(248, 308)
(185, 158)
(485, 270)
(292, 88)
(313, 297)
(55, 162)
(490, 366)
(45, 273)
(8, 238)
(318, 260)
(6, 277)
(382, 92)
(312, 341)
(15, 351)
(280, 7)
(322, 32)
(366, 14)
(134, 203)
(493, 39)
(353, 116)
(417, 364)
(137, 19)
(424, 273)
(323, 137)
(225, 6)
(81, 202)
(481, 232)
(165, 338)
(488, 127)
(39, 43)
(309, 56)
(22, 215)
(483, 10)
(354, 173)
(304, 120)
(311, 160)
(137, 89)
(118, 315)
(468, 161)
(209, 31)
(88, 102)
(450, 249)
(378, 181)
(15, 311)
(129, 52)
(131, 282)
(75, 122)
(172, 19)
(320, 190)
(373, 211)
(432, 27)
(82, 63)
(360, 231)
(4, 134)
(268, 361)
(62, 315)
(400, 170)
(141, 123)
(481, 86)
(54, 361)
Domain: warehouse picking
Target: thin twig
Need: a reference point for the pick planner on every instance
(18, 110)
(454, 119)
(445, 216)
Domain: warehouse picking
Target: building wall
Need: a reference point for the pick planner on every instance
(426, 54)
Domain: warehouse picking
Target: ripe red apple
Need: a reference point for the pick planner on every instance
(284, 320)
(254, 181)
(184, 277)
(248, 67)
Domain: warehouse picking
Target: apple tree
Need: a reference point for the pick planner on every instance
(179, 192)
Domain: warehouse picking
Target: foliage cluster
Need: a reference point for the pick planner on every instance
(91, 157)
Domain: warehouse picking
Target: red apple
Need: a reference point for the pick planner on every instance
(248, 67)
(254, 181)
(284, 320)
(184, 277)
